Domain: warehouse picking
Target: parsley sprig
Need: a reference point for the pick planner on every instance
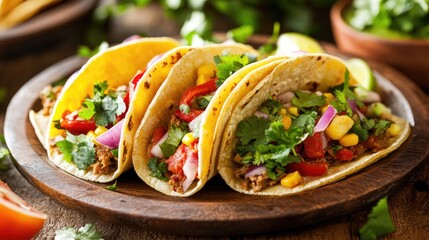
(103, 107)
(78, 150)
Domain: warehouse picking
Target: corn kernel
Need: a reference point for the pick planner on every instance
(328, 97)
(293, 111)
(287, 122)
(291, 180)
(100, 130)
(394, 129)
(188, 139)
(208, 69)
(283, 112)
(202, 79)
(339, 126)
(349, 140)
(237, 159)
(91, 135)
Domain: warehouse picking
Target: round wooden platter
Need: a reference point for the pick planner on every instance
(216, 209)
(45, 23)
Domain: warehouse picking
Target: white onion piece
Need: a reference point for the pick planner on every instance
(190, 169)
(260, 114)
(195, 123)
(285, 97)
(326, 119)
(156, 150)
(111, 137)
(255, 170)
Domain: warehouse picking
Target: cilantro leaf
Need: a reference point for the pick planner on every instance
(381, 126)
(303, 100)
(271, 107)
(203, 101)
(340, 103)
(379, 222)
(227, 64)
(175, 135)
(158, 170)
(77, 149)
(112, 187)
(252, 129)
(360, 131)
(4, 152)
(87, 232)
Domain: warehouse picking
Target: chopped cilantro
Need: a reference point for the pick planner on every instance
(115, 152)
(112, 187)
(77, 149)
(381, 126)
(341, 103)
(227, 64)
(203, 101)
(304, 100)
(103, 107)
(271, 107)
(158, 170)
(379, 222)
(360, 131)
(4, 152)
(175, 135)
(252, 129)
(88, 232)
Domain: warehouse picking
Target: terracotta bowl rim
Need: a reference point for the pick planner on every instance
(338, 23)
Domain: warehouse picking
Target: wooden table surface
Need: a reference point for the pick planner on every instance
(409, 205)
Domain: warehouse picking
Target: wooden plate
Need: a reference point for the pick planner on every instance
(216, 210)
(45, 26)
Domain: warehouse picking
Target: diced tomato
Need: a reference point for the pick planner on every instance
(344, 155)
(158, 133)
(75, 126)
(190, 95)
(313, 146)
(177, 160)
(313, 169)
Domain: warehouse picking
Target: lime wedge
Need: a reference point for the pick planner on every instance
(292, 42)
(362, 72)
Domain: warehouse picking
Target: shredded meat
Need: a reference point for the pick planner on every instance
(257, 182)
(372, 144)
(105, 161)
(49, 96)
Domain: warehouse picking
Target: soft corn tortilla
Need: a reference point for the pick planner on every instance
(311, 72)
(8, 5)
(181, 78)
(117, 65)
(23, 11)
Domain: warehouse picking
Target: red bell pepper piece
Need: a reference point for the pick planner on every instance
(190, 95)
(75, 126)
(133, 84)
(313, 169)
(313, 146)
(344, 155)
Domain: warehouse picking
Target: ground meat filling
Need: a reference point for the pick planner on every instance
(49, 96)
(257, 182)
(105, 161)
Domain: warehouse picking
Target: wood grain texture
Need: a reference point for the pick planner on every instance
(217, 209)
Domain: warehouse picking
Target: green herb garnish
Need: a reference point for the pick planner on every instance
(78, 150)
(227, 64)
(158, 170)
(87, 232)
(379, 222)
(305, 101)
(175, 135)
(112, 187)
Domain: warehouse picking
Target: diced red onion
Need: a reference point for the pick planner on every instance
(154, 59)
(285, 97)
(260, 114)
(326, 119)
(352, 104)
(112, 136)
(132, 38)
(156, 150)
(324, 140)
(255, 170)
(190, 169)
(195, 123)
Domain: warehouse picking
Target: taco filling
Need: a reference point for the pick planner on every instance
(301, 134)
(173, 149)
(91, 135)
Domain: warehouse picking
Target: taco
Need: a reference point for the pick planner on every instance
(307, 124)
(90, 130)
(174, 153)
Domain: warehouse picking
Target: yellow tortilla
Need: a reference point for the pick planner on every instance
(8, 5)
(312, 71)
(117, 65)
(182, 77)
(23, 11)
